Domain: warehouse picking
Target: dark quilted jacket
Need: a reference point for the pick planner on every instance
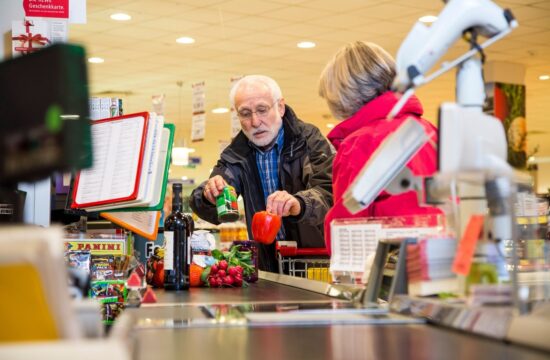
(305, 170)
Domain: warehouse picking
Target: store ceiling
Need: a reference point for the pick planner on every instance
(244, 37)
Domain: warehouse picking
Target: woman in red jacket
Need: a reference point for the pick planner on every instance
(356, 85)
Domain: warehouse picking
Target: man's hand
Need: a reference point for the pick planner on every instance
(213, 188)
(283, 204)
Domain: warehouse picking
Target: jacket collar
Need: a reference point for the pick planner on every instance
(373, 111)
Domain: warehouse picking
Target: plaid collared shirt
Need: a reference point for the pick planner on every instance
(268, 167)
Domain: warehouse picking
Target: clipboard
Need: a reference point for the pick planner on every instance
(166, 167)
(144, 223)
(141, 122)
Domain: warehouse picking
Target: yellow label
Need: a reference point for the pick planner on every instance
(319, 274)
(24, 310)
(526, 220)
(98, 247)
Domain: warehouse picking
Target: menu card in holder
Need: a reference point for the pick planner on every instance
(118, 149)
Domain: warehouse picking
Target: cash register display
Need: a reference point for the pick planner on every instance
(44, 121)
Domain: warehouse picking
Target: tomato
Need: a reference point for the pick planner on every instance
(265, 227)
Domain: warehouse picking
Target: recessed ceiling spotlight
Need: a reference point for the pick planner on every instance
(185, 40)
(544, 77)
(306, 45)
(121, 17)
(220, 110)
(330, 125)
(428, 19)
(96, 60)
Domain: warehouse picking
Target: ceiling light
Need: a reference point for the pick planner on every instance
(330, 125)
(96, 60)
(220, 110)
(184, 178)
(428, 19)
(306, 45)
(121, 17)
(544, 77)
(185, 40)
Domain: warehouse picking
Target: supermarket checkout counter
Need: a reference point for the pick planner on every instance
(207, 323)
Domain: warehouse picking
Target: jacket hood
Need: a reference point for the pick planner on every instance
(374, 110)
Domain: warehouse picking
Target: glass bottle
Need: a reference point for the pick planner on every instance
(177, 255)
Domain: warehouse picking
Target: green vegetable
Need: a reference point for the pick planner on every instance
(205, 274)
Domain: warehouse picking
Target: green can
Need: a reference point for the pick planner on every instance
(226, 204)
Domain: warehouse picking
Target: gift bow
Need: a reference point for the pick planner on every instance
(37, 38)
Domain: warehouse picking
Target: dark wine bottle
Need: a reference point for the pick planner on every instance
(177, 254)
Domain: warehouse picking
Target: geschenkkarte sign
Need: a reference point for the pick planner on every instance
(47, 8)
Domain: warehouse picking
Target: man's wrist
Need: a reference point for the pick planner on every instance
(302, 208)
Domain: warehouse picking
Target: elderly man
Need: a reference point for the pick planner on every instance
(277, 163)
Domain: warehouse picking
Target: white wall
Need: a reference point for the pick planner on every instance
(9, 10)
(37, 204)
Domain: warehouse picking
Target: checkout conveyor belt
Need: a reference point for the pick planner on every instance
(205, 323)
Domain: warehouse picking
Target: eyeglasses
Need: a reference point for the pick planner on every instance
(261, 111)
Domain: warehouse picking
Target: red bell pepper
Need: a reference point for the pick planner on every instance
(265, 227)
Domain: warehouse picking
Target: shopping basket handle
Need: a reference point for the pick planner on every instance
(311, 251)
(294, 251)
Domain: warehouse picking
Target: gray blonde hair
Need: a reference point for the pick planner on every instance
(250, 79)
(358, 73)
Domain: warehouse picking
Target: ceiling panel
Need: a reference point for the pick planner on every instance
(291, 14)
(238, 37)
(138, 8)
(249, 7)
(390, 11)
(255, 23)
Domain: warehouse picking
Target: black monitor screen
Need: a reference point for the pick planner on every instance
(44, 121)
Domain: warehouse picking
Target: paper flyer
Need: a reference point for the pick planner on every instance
(32, 34)
(198, 119)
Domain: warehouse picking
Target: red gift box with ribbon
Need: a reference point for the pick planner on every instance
(29, 40)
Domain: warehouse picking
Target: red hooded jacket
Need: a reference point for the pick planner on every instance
(357, 138)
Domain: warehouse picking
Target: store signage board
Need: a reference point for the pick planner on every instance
(47, 8)
(97, 246)
(198, 118)
(72, 10)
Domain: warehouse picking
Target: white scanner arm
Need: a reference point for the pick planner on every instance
(424, 45)
(422, 48)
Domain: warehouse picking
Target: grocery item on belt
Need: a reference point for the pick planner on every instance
(265, 227)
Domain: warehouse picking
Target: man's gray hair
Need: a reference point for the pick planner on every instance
(250, 79)
(358, 73)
